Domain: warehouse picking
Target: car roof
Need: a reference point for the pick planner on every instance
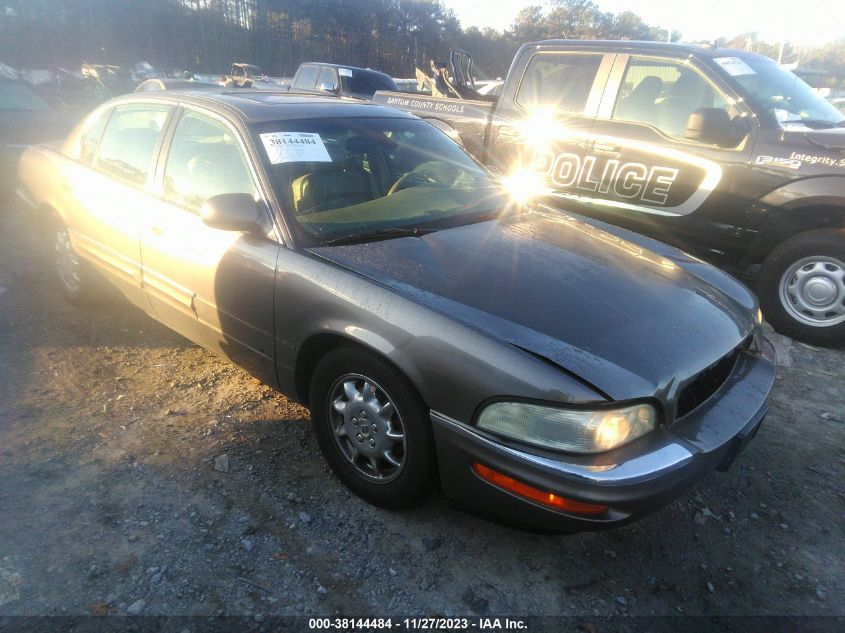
(257, 106)
(674, 48)
(174, 83)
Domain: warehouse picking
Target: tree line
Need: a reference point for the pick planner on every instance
(390, 35)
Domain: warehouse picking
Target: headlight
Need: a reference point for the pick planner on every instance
(573, 430)
(759, 316)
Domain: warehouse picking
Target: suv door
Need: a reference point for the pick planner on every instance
(653, 175)
(211, 285)
(106, 190)
(544, 117)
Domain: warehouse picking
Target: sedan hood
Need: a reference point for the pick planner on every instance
(631, 322)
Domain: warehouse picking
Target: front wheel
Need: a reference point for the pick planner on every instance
(372, 427)
(802, 287)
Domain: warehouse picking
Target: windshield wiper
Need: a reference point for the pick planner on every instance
(384, 234)
(811, 122)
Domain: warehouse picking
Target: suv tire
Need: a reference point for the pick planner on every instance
(802, 287)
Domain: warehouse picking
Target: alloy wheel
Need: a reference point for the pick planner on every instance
(367, 427)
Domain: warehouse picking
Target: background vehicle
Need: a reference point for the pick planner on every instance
(343, 81)
(25, 119)
(492, 88)
(408, 85)
(113, 79)
(360, 261)
(247, 76)
(151, 85)
(717, 151)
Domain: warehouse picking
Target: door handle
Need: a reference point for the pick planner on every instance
(508, 133)
(607, 149)
(157, 230)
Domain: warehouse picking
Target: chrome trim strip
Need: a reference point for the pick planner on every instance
(651, 465)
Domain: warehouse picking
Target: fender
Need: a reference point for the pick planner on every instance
(803, 205)
(808, 192)
(331, 334)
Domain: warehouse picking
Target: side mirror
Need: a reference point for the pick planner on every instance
(327, 87)
(233, 212)
(711, 125)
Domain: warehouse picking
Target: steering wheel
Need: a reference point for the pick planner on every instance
(411, 179)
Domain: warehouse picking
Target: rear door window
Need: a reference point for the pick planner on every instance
(127, 149)
(560, 81)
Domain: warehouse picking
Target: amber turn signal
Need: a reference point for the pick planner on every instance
(534, 494)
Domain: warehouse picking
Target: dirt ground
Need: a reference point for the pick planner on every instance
(111, 427)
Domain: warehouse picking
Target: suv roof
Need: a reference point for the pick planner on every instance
(674, 48)
(255, 106)
(348, 67)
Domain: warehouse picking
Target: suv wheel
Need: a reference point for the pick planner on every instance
(373, 428)
(802, 287)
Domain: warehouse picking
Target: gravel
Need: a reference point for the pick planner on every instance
(136, 607)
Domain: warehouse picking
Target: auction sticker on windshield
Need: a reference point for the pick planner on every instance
(734, 66)
(295, 147)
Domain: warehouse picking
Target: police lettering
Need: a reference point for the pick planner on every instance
(627, 181)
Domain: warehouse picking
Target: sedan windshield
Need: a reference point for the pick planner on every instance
(355, 179)
(781, 92)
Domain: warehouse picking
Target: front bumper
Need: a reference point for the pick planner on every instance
(632, 481)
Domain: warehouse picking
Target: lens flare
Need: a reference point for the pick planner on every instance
(524, 186)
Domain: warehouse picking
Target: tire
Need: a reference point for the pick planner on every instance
(359, 435)
(802, 287)
(75, 277)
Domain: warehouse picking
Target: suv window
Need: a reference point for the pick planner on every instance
(126, 149)
(664, 94)
(560, 81)
(90, 139)
(307, 77)
(327, 76)
(204, 161)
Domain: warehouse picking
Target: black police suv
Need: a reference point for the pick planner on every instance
(718, 151)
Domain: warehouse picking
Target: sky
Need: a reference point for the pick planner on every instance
(805, 23)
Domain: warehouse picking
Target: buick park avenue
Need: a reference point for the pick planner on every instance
(555, 372)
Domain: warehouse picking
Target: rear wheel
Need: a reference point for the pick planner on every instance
(75, 277)
(373, 428)
(802, 287)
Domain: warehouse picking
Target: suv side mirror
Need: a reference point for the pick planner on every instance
(711, 125)
(233, 212)
(327, 87)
